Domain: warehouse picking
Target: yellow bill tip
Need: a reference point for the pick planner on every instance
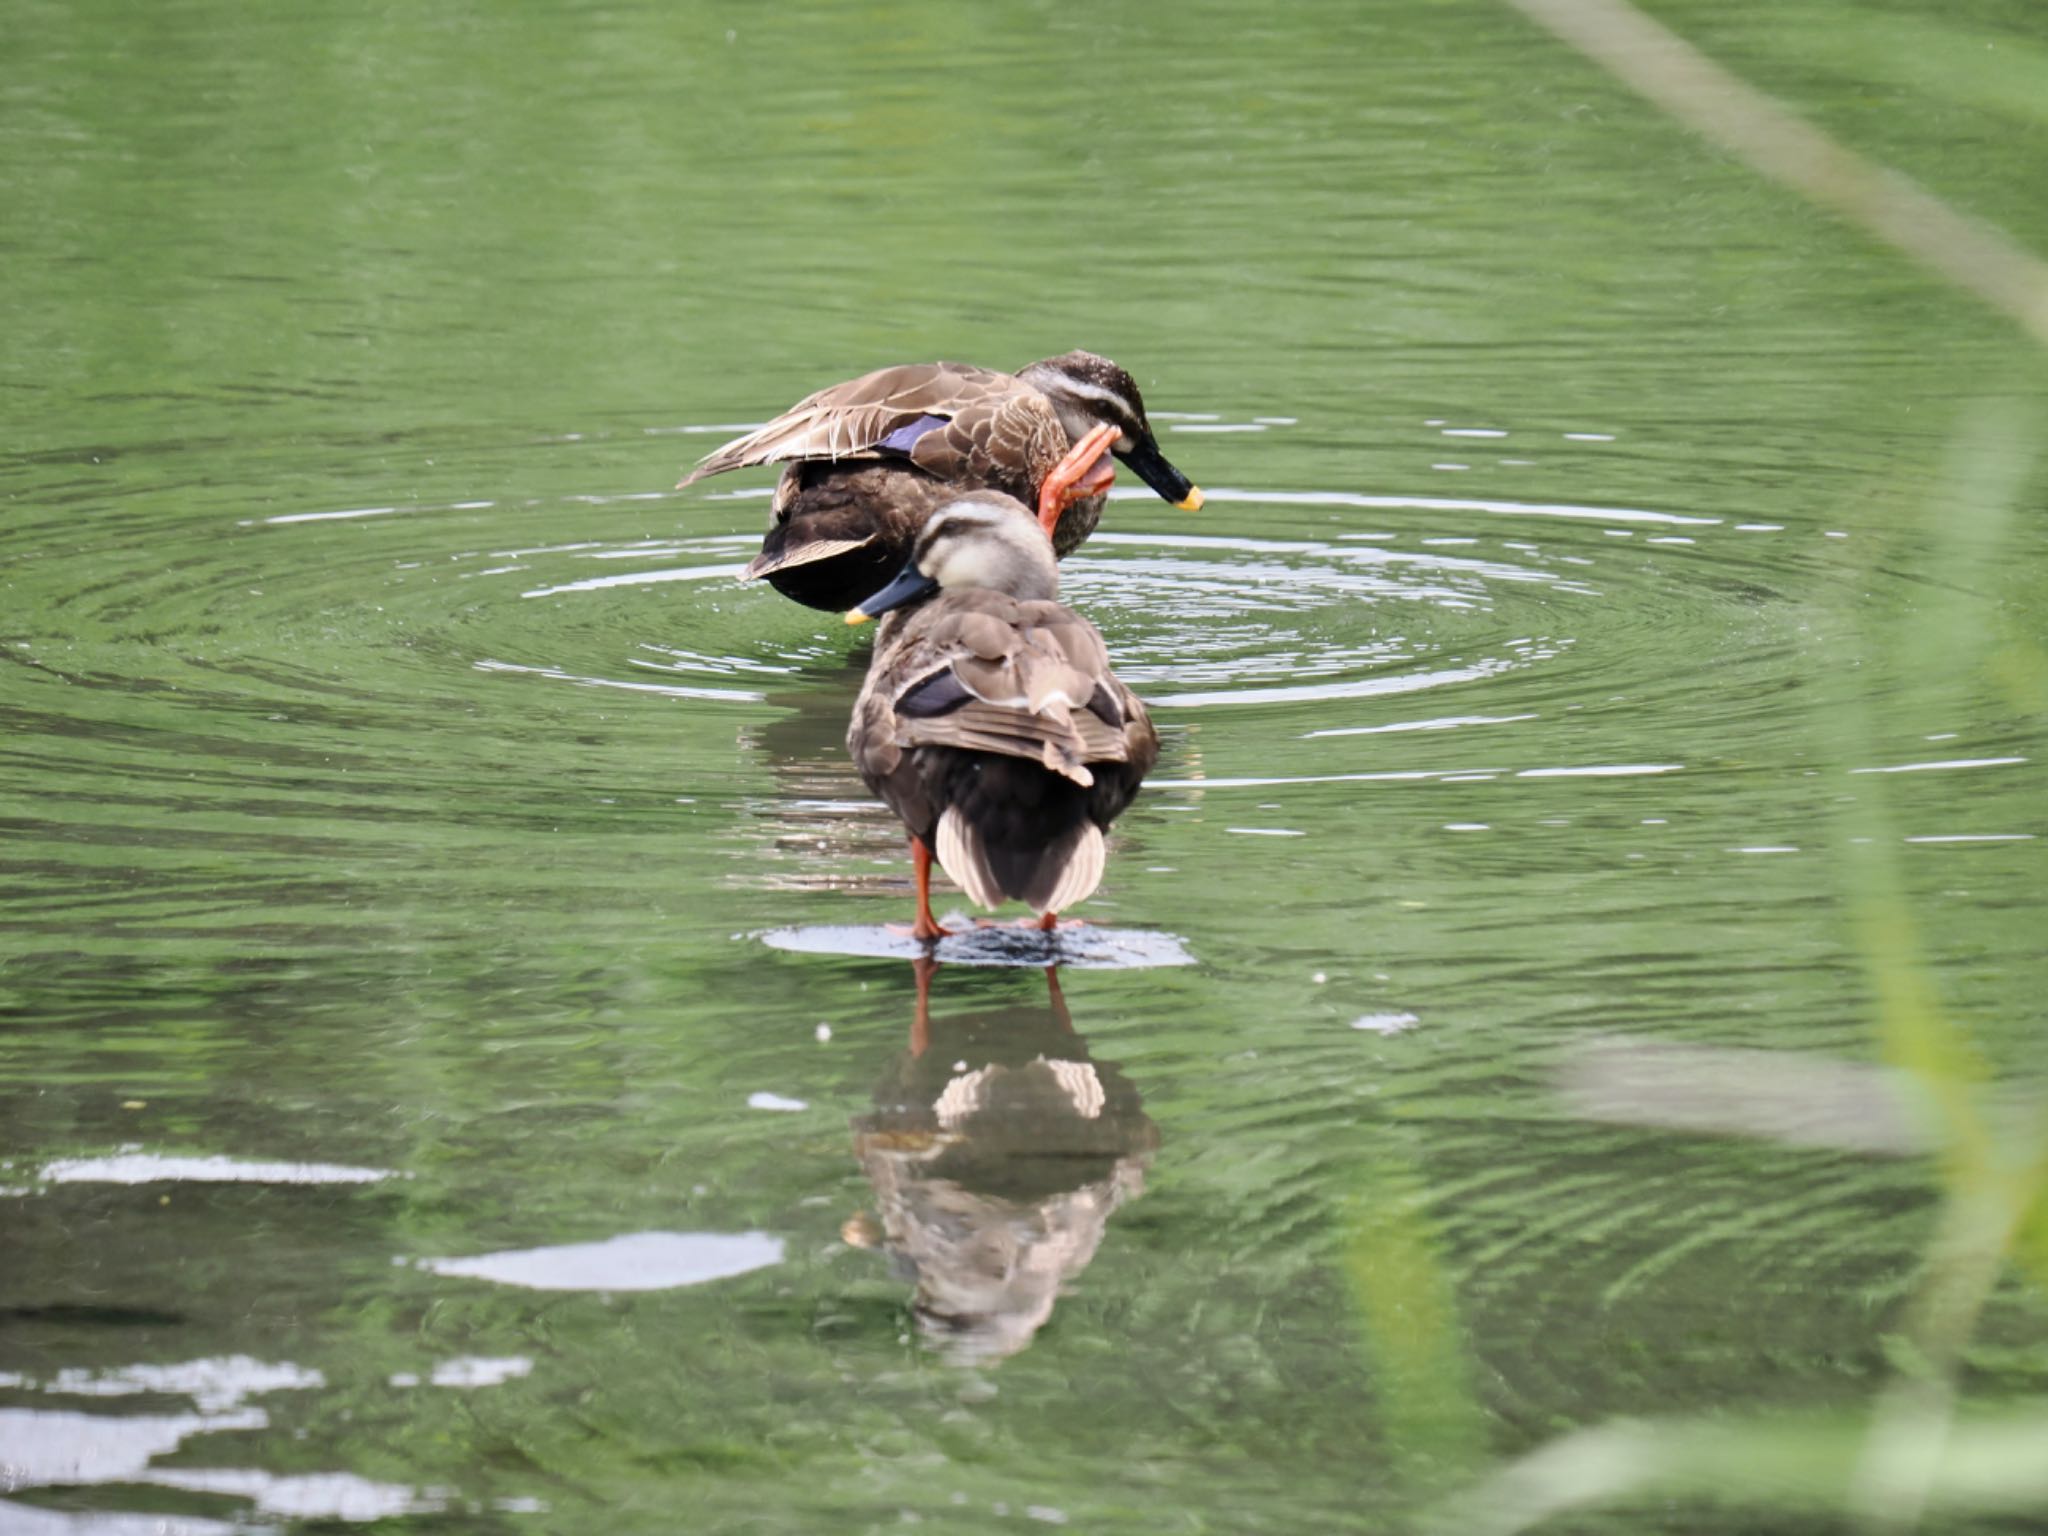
(857, 617)
(1192, 502)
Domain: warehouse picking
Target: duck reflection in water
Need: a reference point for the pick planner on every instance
(998, 1150)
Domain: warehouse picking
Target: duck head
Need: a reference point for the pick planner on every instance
(987, 540)
(1089, 391)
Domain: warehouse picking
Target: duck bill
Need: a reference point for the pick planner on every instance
(1150, 466)
(910, 585)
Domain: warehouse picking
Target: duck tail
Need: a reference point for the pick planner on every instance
(963, 855)
(1048, 877)
(1078, 875)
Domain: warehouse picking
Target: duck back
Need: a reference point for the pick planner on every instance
(996, 731)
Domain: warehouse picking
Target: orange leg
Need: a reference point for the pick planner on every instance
(926, 926)
(1060, 1015)
(1087, 470)
(925, 968)
(1049, 922)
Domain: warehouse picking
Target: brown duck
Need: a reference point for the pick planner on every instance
(870, 460)
(999, 1148)
(990, 721)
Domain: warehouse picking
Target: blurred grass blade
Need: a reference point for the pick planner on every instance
(1409, 1325)
(1800, 1101)
(1991, 1463)
(1683, 82)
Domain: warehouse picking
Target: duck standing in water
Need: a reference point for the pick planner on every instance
(990, 721)
(869, 461)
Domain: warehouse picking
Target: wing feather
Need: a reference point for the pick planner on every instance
(1008, 732)
(983, 672)
(964, 858)
(976, 672)
(801, 554)
(1081, 873)
(852, 420)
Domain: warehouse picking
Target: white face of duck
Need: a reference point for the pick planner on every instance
(1087, 391)
(980, 542)
(985, 540)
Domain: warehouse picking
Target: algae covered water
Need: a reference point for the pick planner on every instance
(438, 1085)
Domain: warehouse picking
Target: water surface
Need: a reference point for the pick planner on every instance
(1611, 567)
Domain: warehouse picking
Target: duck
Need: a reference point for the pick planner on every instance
(990, 721)
(998, 1149)
(867, 462)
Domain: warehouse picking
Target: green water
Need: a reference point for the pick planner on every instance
(396, 785)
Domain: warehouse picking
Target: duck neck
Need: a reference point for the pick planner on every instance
(1035, 584)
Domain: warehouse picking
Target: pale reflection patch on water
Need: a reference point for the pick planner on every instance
(25, 1520)
(467, 1371)
(635, 579)
(633, 1261)
(1974, 837)
(1421, 775)
(133, 1166)
(1952, 763)
(1304, 693)
(215, 1385)
(1086, 946)
(1445, 723)
(1388, 1024)
(67, 1448)
(304, 1496)
(670, 690)
(1500, 507)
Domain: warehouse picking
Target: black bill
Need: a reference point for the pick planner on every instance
(909, 585)
(1150, 466)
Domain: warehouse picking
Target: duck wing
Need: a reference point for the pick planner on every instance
(1016, 678)
(838, 532)
(892, 410)
(1118, 774)
(978, 671)
(995, 729)
(1009, 438)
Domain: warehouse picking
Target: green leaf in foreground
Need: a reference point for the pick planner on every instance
(1992, 1462)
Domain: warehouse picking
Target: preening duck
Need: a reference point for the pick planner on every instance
(990, 721)
(869, 461)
